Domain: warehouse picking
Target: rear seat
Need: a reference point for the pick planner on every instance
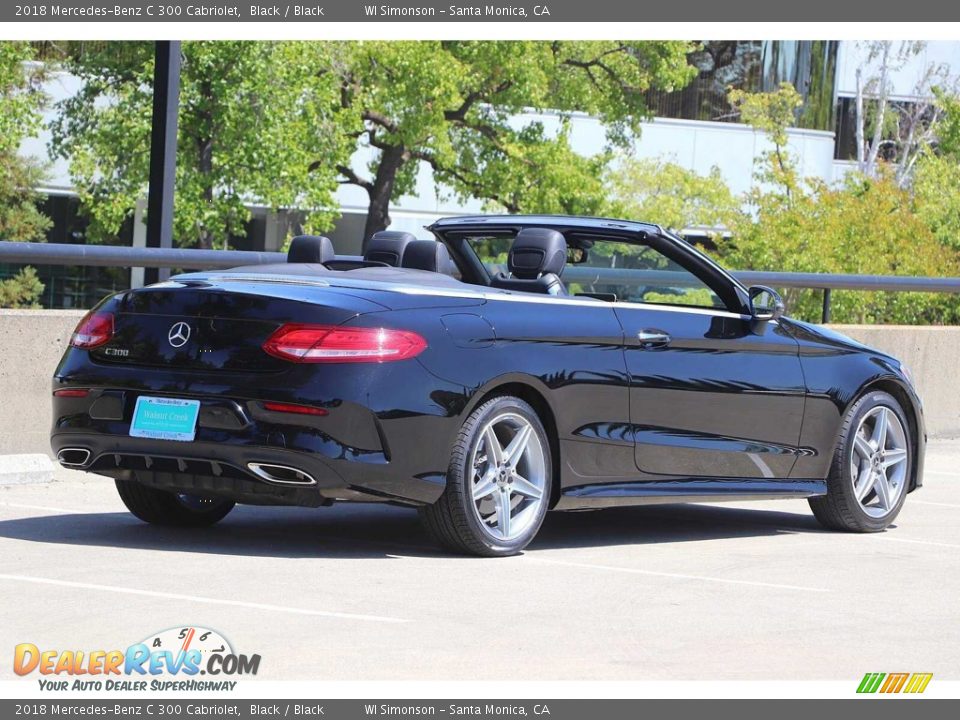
(388, 247)
(310, 249)
(428, 255)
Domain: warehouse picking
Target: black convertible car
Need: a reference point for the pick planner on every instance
(509, 366)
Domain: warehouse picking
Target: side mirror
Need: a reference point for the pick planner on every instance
(765, 303)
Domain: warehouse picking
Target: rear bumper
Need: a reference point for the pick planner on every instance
(236, 443)
(230, 471)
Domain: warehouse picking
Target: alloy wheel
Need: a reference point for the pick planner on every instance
(509, 476)
(878, 463)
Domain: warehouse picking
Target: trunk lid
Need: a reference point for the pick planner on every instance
(217, 324)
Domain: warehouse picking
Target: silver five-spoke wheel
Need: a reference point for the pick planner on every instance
(878, 463)
(509, 476)
(499, 481)
(872, 468)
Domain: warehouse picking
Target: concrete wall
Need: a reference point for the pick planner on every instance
(32, 341)
(931, 355)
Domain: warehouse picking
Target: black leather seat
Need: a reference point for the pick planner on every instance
(536, 260)
(428, 255)
(388, 247)
(310, 249)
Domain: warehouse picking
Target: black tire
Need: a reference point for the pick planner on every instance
(161, 507)
(839, 509)
(452, 520)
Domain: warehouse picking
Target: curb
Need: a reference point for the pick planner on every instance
(25, 469)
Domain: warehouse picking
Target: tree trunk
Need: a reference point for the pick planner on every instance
(861, 120)
(874, 152)
(380, 191)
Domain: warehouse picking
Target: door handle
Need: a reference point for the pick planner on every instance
(653, 338)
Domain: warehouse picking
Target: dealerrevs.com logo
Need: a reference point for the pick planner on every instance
(173, 659)
(892, 683)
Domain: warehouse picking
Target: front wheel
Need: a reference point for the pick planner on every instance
(870, 474)
(498, 482)
(161, 507)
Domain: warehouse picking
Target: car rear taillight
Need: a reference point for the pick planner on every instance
(94, 330)
(294, 409)
(332, 343)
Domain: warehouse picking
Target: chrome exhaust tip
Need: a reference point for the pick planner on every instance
(73, 457)
(281, 474)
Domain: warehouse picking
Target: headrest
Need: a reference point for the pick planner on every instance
(388, 246)
(536, 251)
(427, 255)
(310, 249)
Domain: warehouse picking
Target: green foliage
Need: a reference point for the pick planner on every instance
(697, 297)
(936, 191)
(863, 226)
(454, 105)
(20, 218)
(670, 195)
(277, 123)
(20, 104)
(255, 126)
(948, 128)
(936, 177)
(772, 113)
(23, 290)
(785, 223)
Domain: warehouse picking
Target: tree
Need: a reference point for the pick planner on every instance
(454, 107)
(772, 113)
(865, 225)
(253, 119)
(936, 180)
(21, 220)
(899, 131)
(670, 195)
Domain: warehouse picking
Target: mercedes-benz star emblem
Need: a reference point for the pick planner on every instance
(179, 334)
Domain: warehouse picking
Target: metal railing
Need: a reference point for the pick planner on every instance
(112, 256)
(17, 253)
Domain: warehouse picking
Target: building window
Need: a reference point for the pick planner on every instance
(754, 66)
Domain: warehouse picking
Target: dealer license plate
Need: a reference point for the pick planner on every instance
(165, 418)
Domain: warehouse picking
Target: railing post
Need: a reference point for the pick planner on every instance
(826, 306)
(163, 150)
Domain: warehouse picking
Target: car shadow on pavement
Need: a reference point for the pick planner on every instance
(379, 531)
(659, 524)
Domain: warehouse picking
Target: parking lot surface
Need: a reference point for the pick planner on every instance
(747, 591)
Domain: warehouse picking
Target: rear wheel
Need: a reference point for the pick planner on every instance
(871, 468)
(498, 482)
(162, 507)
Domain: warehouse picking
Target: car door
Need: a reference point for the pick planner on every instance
(713, 393)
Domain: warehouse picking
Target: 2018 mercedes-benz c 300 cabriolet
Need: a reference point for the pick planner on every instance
(509, 366)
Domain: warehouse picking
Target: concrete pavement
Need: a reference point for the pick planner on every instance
(753, 591)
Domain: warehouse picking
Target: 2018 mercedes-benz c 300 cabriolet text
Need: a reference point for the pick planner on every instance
(508, 366)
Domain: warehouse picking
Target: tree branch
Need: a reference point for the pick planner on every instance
(351, 178)
(475, 187)
(379, 119)
(472, 99)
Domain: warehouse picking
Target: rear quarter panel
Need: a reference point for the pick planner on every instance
(567, 352)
